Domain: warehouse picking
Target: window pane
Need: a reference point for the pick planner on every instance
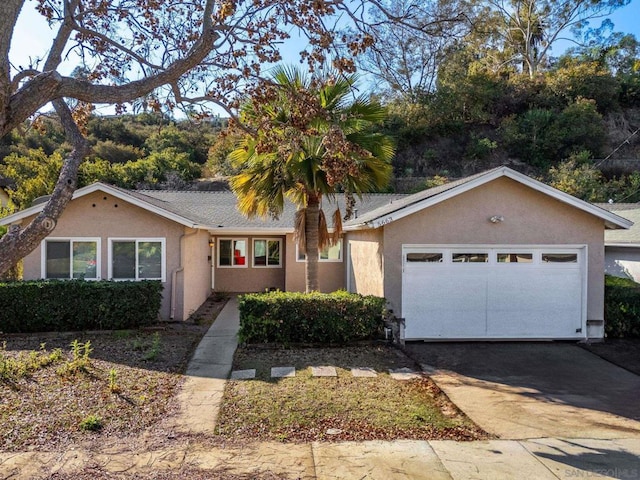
(224, 254)
(85, 259)
(260, 252)
(331, 252)
(471, 257)
(124, 260)
(150, 260)
(274, 253)
(515, 257)
(424, 257)
(58, 262)
(239, 252)
(559, 258)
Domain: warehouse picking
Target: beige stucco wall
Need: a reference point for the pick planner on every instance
(101, 215)
(366, 262)
(331, 275)
(249, 278)
(530, 218)
(196, 276)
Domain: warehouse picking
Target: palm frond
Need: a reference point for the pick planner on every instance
(324, 238)
(299, 235)
(337, 227)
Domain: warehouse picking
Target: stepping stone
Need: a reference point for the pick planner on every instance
(283, 372)
(243, 374)
(403, 373)
(363, 372)
(324, 371)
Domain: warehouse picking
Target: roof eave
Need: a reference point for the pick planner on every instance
(98, 186)
(612, 221)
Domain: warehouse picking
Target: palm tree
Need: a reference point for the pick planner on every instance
(310, 142)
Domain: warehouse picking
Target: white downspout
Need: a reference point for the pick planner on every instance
(174, 274)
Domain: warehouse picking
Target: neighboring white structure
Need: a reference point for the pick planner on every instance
(622, 247)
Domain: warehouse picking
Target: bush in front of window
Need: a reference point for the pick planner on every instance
(621, 307)
(327, 318)
(72, 305)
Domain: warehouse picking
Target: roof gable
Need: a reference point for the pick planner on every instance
(125, 195)
(427, 198)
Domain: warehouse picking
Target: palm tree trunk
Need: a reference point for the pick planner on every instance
(312, 213)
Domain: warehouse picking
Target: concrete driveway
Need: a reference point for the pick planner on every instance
(535, 390)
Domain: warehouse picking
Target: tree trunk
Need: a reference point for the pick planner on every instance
(312, 213)
(18, 242)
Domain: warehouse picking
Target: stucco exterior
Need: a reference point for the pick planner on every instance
(331, 275)
(530, 218)
(366, 255)
(248, 278)
(99, 215)
(195, 278)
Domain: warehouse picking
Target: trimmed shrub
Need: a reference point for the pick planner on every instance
(328, 318)
(68, 305)
(621, 307)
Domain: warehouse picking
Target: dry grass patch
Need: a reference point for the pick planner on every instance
(306, 408)
(64, 388)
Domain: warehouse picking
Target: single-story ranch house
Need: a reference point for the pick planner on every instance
(497, 255)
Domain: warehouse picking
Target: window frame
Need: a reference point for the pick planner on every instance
(232, 239)
(137, 240)
(321, 260)
(267, 240)
(71, 240)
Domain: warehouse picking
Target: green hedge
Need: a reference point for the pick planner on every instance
(286, 318)
(621, 307)
(56, 305)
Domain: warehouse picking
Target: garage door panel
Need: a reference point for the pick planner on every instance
(536, 302)
(493, 300)
(466, 291)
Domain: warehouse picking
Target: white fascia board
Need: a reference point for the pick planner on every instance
(218, 231)
(611, 220)
(95, 187)
(622, 245)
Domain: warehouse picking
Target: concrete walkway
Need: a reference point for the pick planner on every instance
(539, 458)
(207, 373)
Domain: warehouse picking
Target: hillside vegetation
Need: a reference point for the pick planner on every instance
(558, 126)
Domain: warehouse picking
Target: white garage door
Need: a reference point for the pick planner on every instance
(485, 293)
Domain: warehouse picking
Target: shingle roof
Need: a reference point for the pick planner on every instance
(218, 209)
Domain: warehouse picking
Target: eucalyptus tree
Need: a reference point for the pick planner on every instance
(530, 28)
(309, 140)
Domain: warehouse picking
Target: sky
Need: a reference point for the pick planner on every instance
(32, 35)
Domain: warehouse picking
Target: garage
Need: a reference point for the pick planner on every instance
(493, 292)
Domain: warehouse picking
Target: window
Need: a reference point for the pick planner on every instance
(424, 257)
(330, 253)
(232, 252)
(71, 258)
(266, 253)
(559, 258)
(470, 257)
(137, 259)
(515, 258)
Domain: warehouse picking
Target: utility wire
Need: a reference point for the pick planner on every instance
(617, 148)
